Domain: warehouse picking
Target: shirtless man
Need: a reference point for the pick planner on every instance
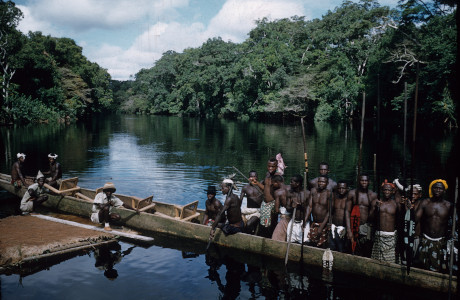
(323, 171)
(55, 171)
(213, 206)
(17, 177)
(297, 198)
(254, 196)
(318, 206)
(363, 197)
(232, 207)
(339, 199)
(267, 208)
(384, 212)
(282, 208)
(433, 214)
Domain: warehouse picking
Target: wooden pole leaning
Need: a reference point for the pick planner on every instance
(305, 182)
(451, 261)
(289, 237)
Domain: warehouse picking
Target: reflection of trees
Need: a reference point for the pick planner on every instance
(109, 255)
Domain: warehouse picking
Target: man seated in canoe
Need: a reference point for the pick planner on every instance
(318, 207)
(103, 204)
(17, 177)
(54, 172)
(213, 207)
(297, 198)
(433, 214)
(34, 196)
(254, 197)
(232, 207)
(361, 197)
(384, 212)
(323, 171)
(337, 238)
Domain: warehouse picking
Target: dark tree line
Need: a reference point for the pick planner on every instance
(46, 79)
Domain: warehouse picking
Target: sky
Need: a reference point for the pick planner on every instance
(125, 36)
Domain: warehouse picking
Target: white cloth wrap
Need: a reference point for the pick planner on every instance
(296, 236)
(340, 231)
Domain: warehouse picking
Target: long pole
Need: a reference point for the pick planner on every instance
(305, 182)
(289, 238)
(362, 134)
(451, 262)
(409, 252)
(404, 133)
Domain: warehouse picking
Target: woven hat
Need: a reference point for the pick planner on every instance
(211, 190)
(109, 186)
(40, 175)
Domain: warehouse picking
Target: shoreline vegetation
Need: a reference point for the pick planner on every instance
(285, 68)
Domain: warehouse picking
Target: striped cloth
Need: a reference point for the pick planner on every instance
(384, 248)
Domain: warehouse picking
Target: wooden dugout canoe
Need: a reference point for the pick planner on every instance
(182, 221)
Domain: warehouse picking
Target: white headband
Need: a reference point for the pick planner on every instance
(52, 156)
(21, 155)
(416, 186)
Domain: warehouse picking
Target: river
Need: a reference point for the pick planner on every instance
(175, 159)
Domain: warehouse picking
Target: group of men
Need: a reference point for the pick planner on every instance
(329, 215)
(36, 191)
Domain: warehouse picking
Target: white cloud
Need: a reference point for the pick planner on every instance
(29, 23)
(237, 17)
(86, 14)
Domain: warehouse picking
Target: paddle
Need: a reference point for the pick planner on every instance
(451, 262)
(289, 239)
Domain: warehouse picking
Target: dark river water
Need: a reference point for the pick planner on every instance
(175, 159)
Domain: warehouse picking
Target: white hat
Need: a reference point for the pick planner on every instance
(20, 155)
(229, 181)
(40, 175)
(109, 186)
(52, 155)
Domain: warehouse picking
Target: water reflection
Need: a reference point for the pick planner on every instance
(109, 255)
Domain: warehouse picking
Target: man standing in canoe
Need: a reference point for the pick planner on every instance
(297, 198)
(267, 208)
(55, 171)
(34, 196)
(433, 214)
(282, 208)
(254, 197)
(384, 211)
(213, 207)
(323, 171)
(17, 177)
(318, 207)
(361, 197)
(232, 207)
(103, 204)
(339, 198)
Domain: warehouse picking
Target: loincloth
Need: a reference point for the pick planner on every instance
(248, 213)
(384, 248)
(280, 232)
(296, 236)
(266, 212)
(232, 228)
(432, 253)
(316, 236)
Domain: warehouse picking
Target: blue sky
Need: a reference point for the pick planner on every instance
(124, 36)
